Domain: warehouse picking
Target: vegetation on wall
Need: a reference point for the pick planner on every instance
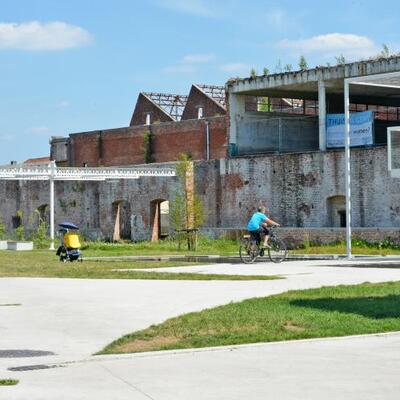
(3, 229)
(148, 147)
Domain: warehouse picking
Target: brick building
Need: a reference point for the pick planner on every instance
(193, 124)
(264, 141)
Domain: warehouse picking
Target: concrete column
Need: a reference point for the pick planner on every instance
(347, 165)
(322, 114)
(52, 168)
(236, 112)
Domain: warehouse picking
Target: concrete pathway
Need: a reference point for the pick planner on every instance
(358, 368)
(74, 318)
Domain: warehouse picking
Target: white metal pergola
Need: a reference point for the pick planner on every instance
(53, 173)
(388, 84)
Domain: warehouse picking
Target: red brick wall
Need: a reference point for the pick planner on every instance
(198, 99)
(125, 146)
(84, 148)
(144, 106)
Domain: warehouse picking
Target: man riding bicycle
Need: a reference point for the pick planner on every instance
(258, 226)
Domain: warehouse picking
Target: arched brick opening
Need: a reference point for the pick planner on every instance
(121, 211)
(159, 214)
(336, 207)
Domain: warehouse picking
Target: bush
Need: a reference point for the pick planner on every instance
(3, 230)
(19, 232)
(40, 237)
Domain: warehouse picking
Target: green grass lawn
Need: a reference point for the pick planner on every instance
(215, 247)
(341, 249)
(43, 263)
(163, 247)
(315, 313)
(8, 382)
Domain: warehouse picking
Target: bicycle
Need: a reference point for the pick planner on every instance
(250, 249)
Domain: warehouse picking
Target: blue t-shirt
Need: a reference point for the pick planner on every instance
(255, 221)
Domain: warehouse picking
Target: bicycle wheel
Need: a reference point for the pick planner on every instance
(277, 251)
(248, 252)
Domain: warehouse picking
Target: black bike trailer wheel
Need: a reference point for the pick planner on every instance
(277, 251)
(248, 252)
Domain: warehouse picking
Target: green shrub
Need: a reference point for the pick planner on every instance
(19, 232)
(3, 230)
(40, 237)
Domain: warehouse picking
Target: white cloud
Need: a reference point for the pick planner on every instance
(198, 58)
(35, 35)
(236, 68)
(333, 44)
(194, 7)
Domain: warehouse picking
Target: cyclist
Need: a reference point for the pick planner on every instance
(258, 226)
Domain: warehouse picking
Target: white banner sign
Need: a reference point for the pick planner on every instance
(361, 129)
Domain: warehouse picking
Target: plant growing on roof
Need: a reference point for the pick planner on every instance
(340, 60)
(385, 51)
(303, 65)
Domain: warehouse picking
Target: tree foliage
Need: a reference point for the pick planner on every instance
(3, 230)
(303, 65)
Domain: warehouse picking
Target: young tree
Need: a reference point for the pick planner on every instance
(266, 71)
(278, 67)
(303, 63)
(288, 68)
(385, 51)
(340, 60)
(187, 210)
(253, 73)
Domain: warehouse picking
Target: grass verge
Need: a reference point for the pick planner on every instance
(8, 382)
(45, 264)
(315, 313)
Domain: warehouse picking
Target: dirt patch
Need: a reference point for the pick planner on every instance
(140, 345)
(291, 327)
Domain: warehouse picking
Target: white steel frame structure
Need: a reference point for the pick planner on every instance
(387, 81)
(53, 173)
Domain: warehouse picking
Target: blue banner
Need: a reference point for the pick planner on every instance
(361, 129)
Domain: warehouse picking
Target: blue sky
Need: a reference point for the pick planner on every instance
(71, 66)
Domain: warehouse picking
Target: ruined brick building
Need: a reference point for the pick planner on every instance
(261, 139)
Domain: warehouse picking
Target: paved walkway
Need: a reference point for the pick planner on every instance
(359, 368)
(74, 318)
